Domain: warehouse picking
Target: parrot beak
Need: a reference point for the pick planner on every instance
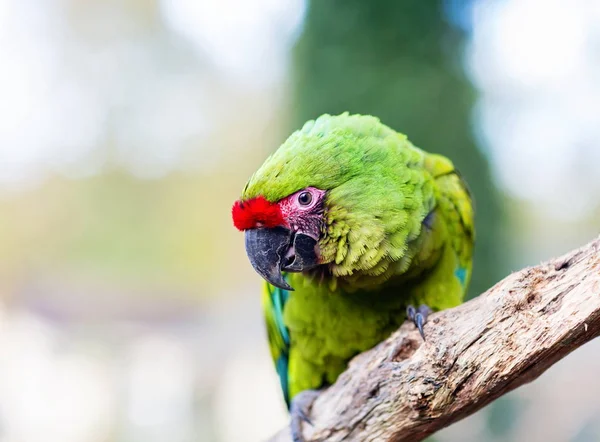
(278, 249)
(266, 249)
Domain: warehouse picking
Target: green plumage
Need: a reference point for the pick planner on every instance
(398, 230)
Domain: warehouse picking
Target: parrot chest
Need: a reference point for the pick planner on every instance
(339, 324)
(326, 329)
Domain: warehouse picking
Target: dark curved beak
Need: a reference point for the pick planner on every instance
(266, 249)
(275, 250)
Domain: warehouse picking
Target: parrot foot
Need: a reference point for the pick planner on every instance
(418, 316)
(301, 405)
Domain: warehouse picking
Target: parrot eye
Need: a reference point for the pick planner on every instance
(305, 198)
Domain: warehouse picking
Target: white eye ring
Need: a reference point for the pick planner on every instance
(305, 198)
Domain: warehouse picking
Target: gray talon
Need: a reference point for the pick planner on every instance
(418, 317)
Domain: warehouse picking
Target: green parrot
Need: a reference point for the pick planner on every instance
(351, 226)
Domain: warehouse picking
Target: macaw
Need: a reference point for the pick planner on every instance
(353, 229)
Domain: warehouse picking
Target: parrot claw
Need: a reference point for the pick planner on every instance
(418, 317)
(299, 410)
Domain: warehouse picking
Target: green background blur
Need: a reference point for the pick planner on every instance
(128, 128)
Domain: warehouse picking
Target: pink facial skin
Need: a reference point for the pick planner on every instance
(303, 211)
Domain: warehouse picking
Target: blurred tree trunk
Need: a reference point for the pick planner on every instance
(401, 61)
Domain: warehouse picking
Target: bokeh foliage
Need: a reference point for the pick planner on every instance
(401, 61)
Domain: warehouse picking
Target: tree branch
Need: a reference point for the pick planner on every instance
(404, 389)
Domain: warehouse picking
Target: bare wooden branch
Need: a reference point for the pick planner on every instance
(404, 389)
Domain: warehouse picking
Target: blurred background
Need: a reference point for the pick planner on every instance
(128, 309)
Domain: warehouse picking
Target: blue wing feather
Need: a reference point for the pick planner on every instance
(461, 274)
(278, 333)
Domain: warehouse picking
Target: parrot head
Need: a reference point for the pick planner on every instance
(328, 197)
(282, 236)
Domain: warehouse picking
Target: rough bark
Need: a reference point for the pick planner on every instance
(405, 389)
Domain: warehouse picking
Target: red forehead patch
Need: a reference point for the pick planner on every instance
(256, 212)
